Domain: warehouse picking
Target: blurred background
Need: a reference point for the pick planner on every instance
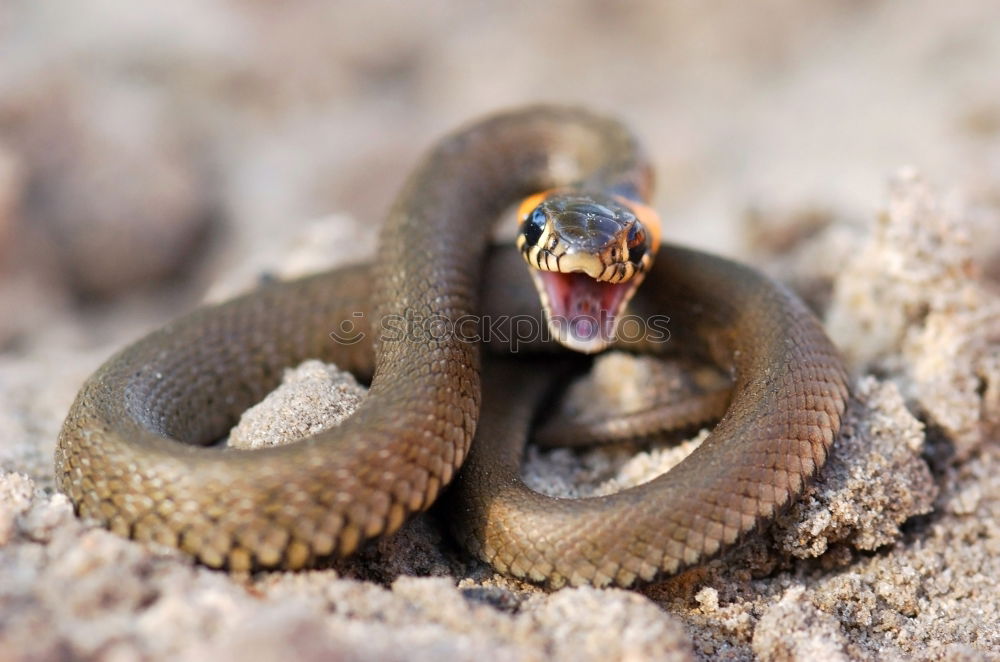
(148, 150)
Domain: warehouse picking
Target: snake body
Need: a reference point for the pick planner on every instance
(788, 397)
(131, 452)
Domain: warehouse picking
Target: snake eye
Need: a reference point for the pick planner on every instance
(636, 244)
(533, 226)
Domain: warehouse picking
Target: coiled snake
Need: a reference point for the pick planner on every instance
(133, 450)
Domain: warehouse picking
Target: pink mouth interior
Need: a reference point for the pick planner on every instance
(583, 307)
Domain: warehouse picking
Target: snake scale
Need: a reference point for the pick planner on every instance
(133, 451)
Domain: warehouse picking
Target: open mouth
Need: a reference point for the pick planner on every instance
(582, 312)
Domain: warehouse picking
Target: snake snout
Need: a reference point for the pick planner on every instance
(587, 253)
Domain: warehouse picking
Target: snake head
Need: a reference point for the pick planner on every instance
(587, 254)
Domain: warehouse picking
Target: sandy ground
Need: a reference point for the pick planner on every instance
(153, 156)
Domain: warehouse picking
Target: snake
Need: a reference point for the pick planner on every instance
(137, 449)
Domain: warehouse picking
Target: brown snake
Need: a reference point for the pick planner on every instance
(131, 453)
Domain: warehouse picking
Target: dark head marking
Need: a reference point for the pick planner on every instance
(587, 223)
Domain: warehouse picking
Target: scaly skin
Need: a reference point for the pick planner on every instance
(789, 395)
(130, 455)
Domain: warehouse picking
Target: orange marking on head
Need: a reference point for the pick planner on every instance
(528, 204)
(648, 217)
